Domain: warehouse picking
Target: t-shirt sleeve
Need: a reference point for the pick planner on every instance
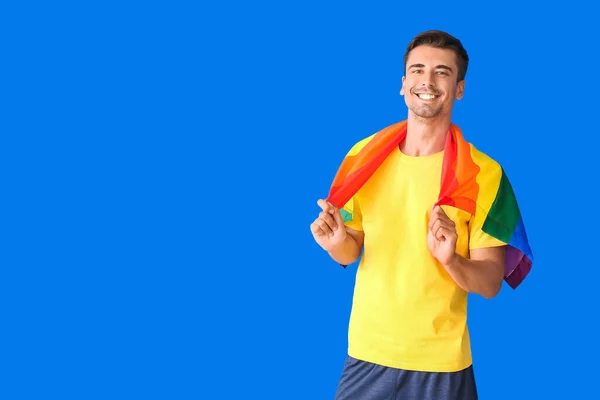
(351, 214)
(477, 237)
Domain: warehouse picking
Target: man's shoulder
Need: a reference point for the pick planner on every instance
(490, 171)
(484, 160)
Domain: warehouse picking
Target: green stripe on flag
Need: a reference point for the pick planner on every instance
(346, 216)
(504, 214)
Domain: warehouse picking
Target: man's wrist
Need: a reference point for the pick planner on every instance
(343, 251)
(340, 245)
(453, 263)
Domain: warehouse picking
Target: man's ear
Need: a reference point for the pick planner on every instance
(402, 88)
(460, 90)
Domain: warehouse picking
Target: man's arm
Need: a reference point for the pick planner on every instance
(348, 250)
(343, 244)
(483, 273)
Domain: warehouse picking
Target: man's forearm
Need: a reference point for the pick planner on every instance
(483, 277)
(347, 252)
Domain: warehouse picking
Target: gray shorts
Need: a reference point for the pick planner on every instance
(363, 380)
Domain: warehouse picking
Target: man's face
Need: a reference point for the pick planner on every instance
(430, 87)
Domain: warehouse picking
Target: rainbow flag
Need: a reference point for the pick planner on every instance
(470, 181)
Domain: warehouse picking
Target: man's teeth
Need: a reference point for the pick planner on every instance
(426, 96)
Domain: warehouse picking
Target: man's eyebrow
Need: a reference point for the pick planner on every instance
(442, 66)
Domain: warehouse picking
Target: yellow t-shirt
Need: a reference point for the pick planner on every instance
(407, 312)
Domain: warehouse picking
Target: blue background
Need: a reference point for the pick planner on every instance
(161, 163)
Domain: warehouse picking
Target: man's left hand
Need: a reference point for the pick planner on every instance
(441, 236)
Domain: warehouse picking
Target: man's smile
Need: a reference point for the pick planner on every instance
(427, 96)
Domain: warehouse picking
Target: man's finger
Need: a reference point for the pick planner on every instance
(329, 219)
(439, 233)
(436, 228)
(325, 206)
(432, 221)
(434, 216)
(447, 223)
(324, 226)
(434, 224)
(438, 222)
(316, 229)
(439, 214)
(446, 227)
(338, 218)
(439, 211)
(444, 233)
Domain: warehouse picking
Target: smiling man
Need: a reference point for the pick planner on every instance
(424, 247)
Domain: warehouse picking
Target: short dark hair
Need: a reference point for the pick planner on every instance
(441, 40)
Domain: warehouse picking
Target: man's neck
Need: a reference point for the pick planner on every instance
(425, 136)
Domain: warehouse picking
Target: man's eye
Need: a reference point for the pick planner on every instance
(442, 72)
(417, 71)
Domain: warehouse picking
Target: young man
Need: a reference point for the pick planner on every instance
(408, 337)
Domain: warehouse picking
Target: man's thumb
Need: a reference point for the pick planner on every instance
(337, 215)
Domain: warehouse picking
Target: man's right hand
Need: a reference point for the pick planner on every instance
(328, 229)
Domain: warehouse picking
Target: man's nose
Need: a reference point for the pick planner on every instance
(428, 80)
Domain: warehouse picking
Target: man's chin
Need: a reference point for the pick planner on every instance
(426, 113)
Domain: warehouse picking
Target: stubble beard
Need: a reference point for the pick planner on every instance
(426, 110)
(422, 110)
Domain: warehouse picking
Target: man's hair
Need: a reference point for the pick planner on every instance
(441, 40)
